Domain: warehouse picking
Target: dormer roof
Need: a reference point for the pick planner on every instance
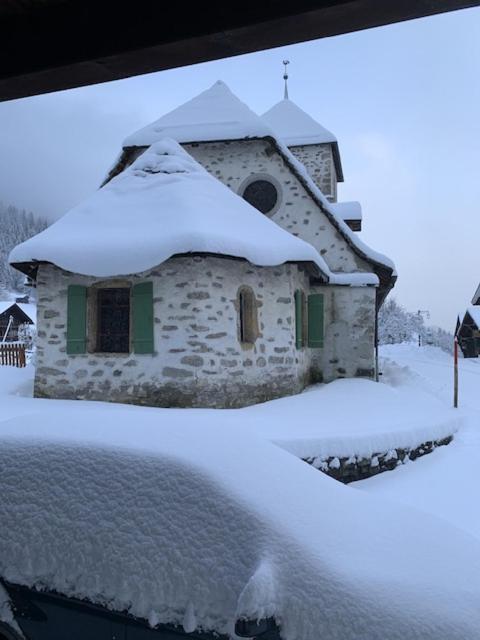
(296, 128)
(215, 114)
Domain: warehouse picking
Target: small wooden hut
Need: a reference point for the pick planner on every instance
(12, 316)
(468, 332)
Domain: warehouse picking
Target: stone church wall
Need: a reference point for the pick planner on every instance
(234, 164)
(349, 344)
(198, 359)
(318, 160)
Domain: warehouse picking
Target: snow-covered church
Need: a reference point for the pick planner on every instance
(213, 268)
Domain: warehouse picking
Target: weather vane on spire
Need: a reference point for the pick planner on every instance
(285, 77)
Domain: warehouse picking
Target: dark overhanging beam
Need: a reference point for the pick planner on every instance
(50, 45)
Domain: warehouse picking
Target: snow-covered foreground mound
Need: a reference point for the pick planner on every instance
(352, 417)
(446, 482)
(344, 418)
(202, 526)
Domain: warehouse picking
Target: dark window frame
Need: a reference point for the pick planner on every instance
(247, 316)
(250, 193)
(95, 345)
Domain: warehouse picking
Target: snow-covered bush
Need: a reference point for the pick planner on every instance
(396, 324)
(27, 334)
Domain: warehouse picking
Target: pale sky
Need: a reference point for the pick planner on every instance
(403, 101)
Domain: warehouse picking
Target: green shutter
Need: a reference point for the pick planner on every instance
(143, 317)
(298, 319)
(77, 319)
(315, 320)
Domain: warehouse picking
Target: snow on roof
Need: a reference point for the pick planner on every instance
(344, 229)
(347, 210)
(218, 114)
(474, 313)
(29, 309)
(6, 304)
(164, 204)
(294, 126)
(220, 526)
(215, 114)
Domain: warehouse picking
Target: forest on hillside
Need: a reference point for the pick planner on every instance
(16, 225)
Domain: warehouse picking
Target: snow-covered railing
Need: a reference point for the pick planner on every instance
(12, 354)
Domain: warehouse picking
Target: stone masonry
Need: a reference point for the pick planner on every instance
(318, 161)
(198, 359)
(234, 164)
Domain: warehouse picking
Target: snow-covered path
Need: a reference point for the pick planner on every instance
(445, 483)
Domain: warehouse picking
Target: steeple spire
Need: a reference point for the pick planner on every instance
(285, 77)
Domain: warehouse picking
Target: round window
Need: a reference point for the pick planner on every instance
(262, 195)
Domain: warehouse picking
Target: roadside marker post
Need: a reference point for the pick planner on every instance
(455, 373)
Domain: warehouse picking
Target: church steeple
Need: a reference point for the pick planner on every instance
(285, 77)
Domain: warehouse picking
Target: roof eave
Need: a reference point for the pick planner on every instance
(337, 161)
(30, 269)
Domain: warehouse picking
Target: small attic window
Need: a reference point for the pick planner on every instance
(261, 194)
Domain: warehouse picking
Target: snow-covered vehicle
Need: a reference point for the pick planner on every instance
(43, 615)
(141, 529)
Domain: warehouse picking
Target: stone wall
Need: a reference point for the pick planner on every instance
(353, 468)
(318, 161)
(349, 334)
(233, 163)
(198, 359)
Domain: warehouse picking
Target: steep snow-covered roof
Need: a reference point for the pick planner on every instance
(294, 126)
(352, 238)
(474, 313)
(215, 114)
(29, 309)
(164, 204)
(228, 526)
(347, 210)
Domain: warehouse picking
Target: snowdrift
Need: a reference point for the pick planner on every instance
(201, 527)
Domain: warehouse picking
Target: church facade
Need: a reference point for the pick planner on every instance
(247, 288)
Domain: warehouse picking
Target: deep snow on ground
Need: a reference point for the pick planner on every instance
(343, 418)
(234, 525)
(444, 483)
(196, 523)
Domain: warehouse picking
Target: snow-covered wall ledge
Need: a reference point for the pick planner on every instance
(348, 469)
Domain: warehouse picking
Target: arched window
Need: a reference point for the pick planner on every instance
(261, 194)
(247, 316)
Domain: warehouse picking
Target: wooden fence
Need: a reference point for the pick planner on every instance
(12, 354)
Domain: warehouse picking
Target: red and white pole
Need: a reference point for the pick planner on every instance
(455, 372)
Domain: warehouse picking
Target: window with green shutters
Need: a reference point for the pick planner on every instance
(76, 319)
(315, 320)
(120, 319)
(300, 319)
(142, 295)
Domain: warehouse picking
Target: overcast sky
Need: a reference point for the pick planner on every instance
(403, 101)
